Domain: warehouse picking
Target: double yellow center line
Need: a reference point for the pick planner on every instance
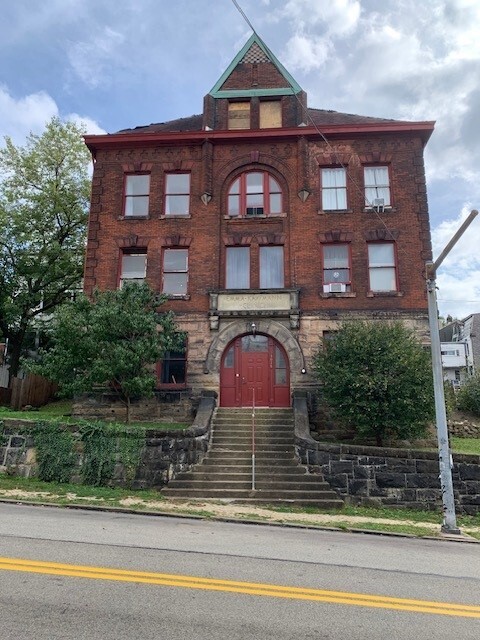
(232, 586)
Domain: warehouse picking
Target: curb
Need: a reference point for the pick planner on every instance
(442, 537)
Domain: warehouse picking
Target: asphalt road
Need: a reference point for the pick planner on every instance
(128, 576)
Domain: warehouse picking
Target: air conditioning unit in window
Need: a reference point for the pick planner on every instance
(254, 211)
(335, 287)
(378, 204)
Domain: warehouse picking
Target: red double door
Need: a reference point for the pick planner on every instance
(254, 370)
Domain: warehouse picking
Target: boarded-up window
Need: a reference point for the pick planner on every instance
(239, 115)
(270, 114)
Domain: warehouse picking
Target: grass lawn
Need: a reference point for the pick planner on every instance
(465, 445)
(61, 410)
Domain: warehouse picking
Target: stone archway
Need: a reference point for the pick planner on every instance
(267, 327)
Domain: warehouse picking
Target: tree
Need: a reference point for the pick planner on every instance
(44, 196)
(378, 379)
(468, 397)
(110, 339)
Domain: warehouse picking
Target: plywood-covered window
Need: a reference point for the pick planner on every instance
(270, 114)
(239, 115)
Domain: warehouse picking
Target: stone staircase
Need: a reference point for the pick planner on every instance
(226, 471)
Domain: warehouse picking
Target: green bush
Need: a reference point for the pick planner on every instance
(378, 380)
(468, 396)
(104, 445)
(55, 452)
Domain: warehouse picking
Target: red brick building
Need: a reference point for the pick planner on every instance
(267, 223)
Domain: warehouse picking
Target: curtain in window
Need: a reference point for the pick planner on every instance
(334, 189)
(377, 185)
(271, 268)
(336, 266)
(381, 258)
(238, 268)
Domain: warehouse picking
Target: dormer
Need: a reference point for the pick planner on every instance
(254, 92)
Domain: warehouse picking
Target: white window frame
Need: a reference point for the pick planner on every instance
(377, 185)
(375, 268)
(334, 189)
(167, 289)
(132, 273)
(132, 199)
(173, 197)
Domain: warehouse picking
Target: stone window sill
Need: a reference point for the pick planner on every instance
(386, 209)
(341, 212)
(175, 217)
(133, 218)
(347, 294)
(272, 217)
(175, 296)
(385, 294)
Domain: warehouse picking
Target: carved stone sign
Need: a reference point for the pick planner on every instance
(254, 302)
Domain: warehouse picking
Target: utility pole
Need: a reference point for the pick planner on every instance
(445, 460)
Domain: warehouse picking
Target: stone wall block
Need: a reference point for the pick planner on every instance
(468, 471)
(423, 480)
(387, 479)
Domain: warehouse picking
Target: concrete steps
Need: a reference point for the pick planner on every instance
(226, 471)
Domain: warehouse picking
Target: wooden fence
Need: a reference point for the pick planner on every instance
(32, 390)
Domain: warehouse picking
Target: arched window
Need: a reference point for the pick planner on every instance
(255, 193)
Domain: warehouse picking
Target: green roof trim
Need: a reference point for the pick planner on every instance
(293, 87)
(254, 93)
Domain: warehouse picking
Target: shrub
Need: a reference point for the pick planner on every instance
(378, 379)
(468, 397)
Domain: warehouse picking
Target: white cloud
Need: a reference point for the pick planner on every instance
(29, 114)
(305, 53)
(91, 59)
(336, 17)
(19, 117)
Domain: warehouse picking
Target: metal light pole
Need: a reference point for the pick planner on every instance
(444, 456)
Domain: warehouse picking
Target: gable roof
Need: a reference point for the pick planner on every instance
(254, 52)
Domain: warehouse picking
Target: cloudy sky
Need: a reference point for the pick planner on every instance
(120, 63)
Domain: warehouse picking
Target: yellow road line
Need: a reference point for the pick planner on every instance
(249, 588)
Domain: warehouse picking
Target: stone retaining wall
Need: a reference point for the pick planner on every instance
(164, 453)
(391, 477)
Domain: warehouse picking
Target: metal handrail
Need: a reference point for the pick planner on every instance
(253, 440)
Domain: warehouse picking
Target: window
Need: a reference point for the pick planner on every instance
(133, 267)
(334, 189)
(239, 115)
(255, 193)
(171, 371)
(271, 268)
(177, 194)
(270, 114)
(336, 268)
(381, 266)
(377, 185)
(280, 367)
(137, 193)
(175, 272)
(238, 268)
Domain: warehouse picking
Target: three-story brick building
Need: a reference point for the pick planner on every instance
(266, 223)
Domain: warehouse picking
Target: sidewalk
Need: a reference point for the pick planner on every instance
(228, 511)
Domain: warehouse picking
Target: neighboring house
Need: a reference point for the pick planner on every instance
(266, 223)
(455, 362)
(460, 345)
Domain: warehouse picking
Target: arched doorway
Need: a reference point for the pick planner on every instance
(254, 367)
